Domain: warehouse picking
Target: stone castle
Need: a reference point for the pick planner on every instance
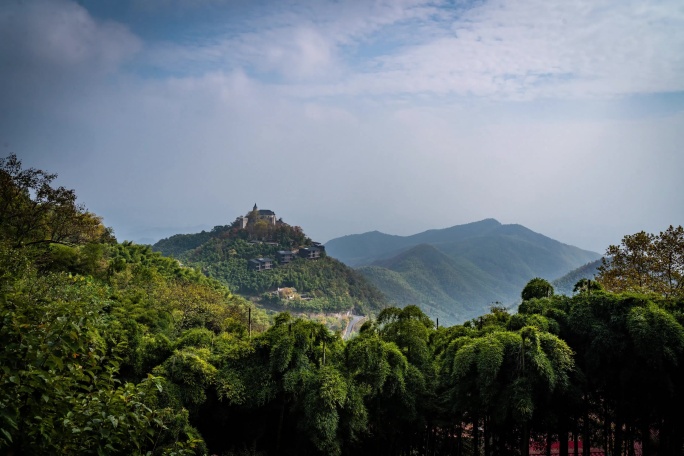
(257, 214)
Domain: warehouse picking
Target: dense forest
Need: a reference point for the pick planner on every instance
(111, 348)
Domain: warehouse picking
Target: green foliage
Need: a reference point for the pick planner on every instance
(456, 273)
(178, 244)
(645, 262)
(587, 286)
(330, 285)
(60, 360)
(34, 213)
(537, 288)
(114, 349)
(565, 285)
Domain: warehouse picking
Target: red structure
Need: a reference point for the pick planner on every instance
(539, 449)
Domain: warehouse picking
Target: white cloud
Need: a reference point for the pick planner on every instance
(54, 51)
(295, 41)
(497, 49)
(60, 35)
(533, 49)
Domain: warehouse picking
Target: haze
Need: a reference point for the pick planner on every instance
(344, 117)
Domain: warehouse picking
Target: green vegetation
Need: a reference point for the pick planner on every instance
(457, 273)
(537, 288)
(646, 262)
(112, 349)
(443, 287)
(564, 285)
(323, 285)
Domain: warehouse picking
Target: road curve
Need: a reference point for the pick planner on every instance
(350, 326)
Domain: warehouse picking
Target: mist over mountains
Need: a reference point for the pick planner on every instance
(456, 273)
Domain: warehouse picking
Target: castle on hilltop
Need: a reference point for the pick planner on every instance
(257, 214)
(263, 227)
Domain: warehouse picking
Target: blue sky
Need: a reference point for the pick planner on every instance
(349, 116)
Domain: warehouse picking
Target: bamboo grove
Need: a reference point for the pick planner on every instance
(110, 348)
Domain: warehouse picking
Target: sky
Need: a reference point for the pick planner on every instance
(173, 116)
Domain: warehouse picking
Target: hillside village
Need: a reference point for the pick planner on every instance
(261, 224)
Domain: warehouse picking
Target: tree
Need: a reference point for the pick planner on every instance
(629, 351)
(587, 286)
(60, 390)
(501, 381)
(393, 388)
(645, 262)
(33, 212)
(669, 261)
(537, 288)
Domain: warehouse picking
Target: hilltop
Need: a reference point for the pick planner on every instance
(275, 264)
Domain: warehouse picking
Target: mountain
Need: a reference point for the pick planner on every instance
(458, 272)
(227, 253)
(443, 286)
(565, 284)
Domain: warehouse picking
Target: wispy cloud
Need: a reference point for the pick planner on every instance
(290, 42)
(52, 50)
(496, 49)
(535, 49)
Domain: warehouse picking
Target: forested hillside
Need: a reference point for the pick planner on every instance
(564, 285)
(477, 241)
(109, 348)
(322, 285)
(448, 289)
(459, 272)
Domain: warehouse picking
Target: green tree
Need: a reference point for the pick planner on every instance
(669, 261)
(59, 386)
(587, 286)
(537, 288)
(646, 262)
(501, 381)
(33, 212)
(393, 390)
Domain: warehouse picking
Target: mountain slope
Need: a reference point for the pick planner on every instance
(515, 253)
(565, 284)
(444, 287)
(460, 270)
(325, 284)
(363, 249)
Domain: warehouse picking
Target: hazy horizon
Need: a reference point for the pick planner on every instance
(348, 117)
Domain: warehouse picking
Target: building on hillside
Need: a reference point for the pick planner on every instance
(260, 264)
(287, 293)
(310, 253)
(260, 214)
(286, 256)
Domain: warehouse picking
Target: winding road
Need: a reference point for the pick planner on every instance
(350, 326)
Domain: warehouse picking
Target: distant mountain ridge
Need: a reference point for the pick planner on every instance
(564, 285)
(458, 272)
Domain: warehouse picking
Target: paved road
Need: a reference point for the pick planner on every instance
(354, 320)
